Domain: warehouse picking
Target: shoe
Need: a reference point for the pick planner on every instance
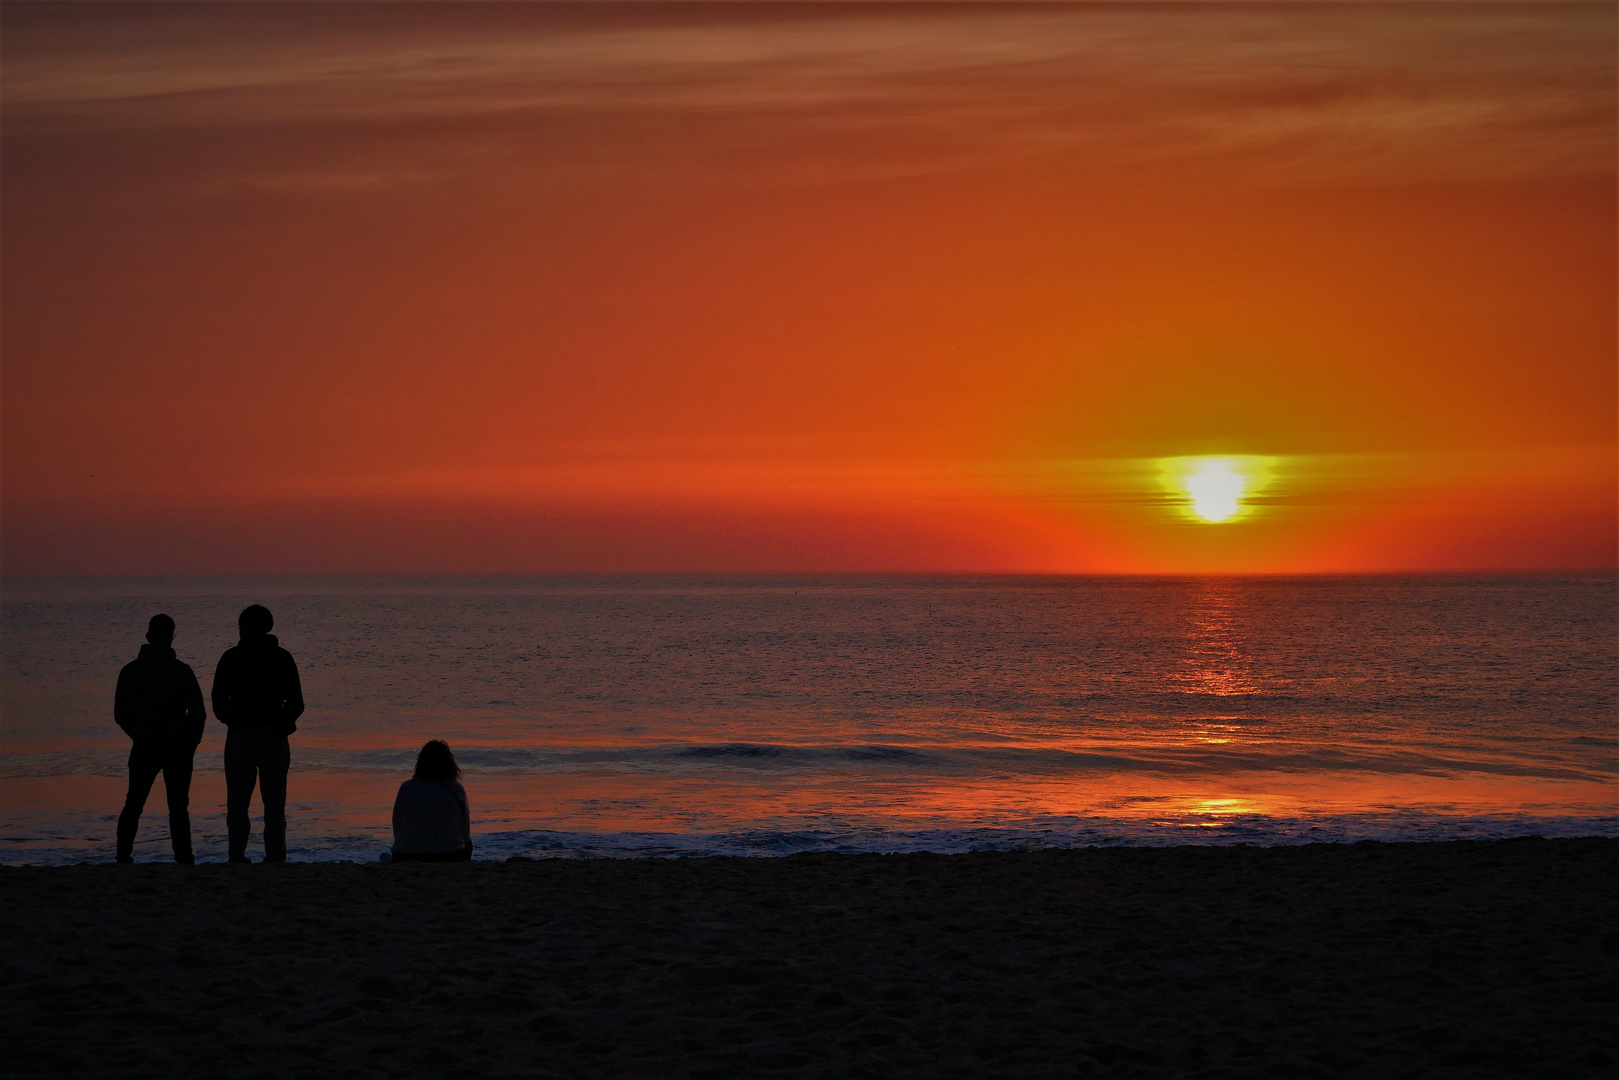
(239, 859)
(125, 858)
(186, 860)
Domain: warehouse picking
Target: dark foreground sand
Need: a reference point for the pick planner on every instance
(1465, 960)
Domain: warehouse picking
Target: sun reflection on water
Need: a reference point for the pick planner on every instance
(1217, 659)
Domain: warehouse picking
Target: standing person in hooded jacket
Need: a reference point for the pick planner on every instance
(159, 705)
(258, 697)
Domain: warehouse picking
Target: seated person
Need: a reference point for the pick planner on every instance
(431, 820)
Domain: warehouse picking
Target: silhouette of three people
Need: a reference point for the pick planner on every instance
(256, 695)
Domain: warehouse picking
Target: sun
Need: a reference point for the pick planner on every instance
(1216, 490)
(1213, 490)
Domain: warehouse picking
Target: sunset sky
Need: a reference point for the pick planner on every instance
(419, 287)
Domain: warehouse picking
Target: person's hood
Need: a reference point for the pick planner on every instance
(156, 652)
(260, 641)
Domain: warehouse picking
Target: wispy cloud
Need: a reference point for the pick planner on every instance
(1295, 90)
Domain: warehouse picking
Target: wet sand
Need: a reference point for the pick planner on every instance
(1462, 959)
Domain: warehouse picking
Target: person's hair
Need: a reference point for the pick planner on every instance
(160, 630)
(435, 762)
(255, 619)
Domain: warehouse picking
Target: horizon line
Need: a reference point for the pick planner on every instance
(1497, 572)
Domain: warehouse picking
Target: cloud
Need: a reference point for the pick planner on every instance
(1294, 91)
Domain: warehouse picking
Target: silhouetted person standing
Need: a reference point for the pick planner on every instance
(159, 705)
(257, 696)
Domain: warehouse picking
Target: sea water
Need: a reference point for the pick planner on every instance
(768, 715)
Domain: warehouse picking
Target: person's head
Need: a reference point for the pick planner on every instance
(160, 631)
(435, 762)
(255, 620)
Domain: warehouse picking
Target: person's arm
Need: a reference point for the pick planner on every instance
(224, 710)
(123, 705)
(399, 800)
(466, 820)
(293, 703)
(196, 715)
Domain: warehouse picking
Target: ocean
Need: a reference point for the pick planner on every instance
(652, 716)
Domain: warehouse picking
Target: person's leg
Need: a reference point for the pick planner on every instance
(144, 765)
(241, 773)
(177, 784)
(275, 760)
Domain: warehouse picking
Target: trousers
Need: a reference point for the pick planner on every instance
(261, 757)
(146, 760)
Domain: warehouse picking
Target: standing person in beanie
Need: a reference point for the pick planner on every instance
(159, 705)
(257, 696)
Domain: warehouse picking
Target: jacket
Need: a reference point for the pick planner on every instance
(158, 699)
(431, 817)
(256, 686)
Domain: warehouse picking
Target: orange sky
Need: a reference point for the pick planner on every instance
(447, 288)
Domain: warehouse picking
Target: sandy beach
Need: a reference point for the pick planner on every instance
(1456, 959)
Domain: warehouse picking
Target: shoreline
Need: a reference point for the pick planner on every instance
(344, 816)
(1459, 958)
(1090, 833)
